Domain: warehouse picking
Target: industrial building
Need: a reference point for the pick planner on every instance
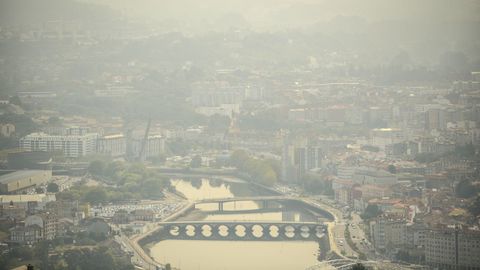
(15, 182)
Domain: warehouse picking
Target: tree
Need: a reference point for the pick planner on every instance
(465, 189)
(239, 158)
(52, 187)
(392, 169)
(114, 168)
(313, 183)
(160, 159)
(96, 167)
(474, 207)
(196, 161)
(168, 266)
(41, 252)
(467, 151)
(269, 177)
(371, 211)
(54, 121)
(218, 122)
(15, 100)
(152, 188)
(425, 157)
(96, 196)
(370, 148)
(359, 266)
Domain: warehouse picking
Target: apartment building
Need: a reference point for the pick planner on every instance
(47, 221)
(388, 233)
(112, 145)
(72, 146)
(453, 248)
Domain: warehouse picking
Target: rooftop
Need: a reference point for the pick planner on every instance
(14, 176)
(23, 198)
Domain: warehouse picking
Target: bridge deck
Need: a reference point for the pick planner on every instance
(239, 199)
(240, 222)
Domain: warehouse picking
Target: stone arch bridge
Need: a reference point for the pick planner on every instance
(243, 230)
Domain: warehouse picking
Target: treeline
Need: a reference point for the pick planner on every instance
(316, 184)
(74, 259)
(121, 182)
(263, 171)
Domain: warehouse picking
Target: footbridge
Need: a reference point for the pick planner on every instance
(347, 264)
(262, 200)
(244, 231)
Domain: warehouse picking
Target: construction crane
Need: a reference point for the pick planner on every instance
(142, 156)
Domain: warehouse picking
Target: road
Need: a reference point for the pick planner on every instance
(357, 233)
(137, 258)
(336, 229)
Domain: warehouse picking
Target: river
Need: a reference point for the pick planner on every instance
(235, 255)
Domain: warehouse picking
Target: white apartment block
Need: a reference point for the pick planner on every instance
(453, 249)
(112, 145)
(154, 146)
(71, 145)
(388, 233)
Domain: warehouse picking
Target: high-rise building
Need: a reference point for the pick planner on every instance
(297, 160)
(435, 119)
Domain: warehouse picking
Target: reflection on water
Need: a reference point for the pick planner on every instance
(275, 216)
(235, 255)
(267, 216)
(200, 189)
(229, 206)
(224, 255)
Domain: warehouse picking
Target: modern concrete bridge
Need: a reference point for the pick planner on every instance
(244, 230)
(263, 200)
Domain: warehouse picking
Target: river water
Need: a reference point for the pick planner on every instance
(235, 255)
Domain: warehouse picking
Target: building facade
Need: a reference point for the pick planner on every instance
(20, 180)
(112, 145)
(453, 248)
(72, 146)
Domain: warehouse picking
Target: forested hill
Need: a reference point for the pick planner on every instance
(27, 12)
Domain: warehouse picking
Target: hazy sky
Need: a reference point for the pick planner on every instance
(306, 10)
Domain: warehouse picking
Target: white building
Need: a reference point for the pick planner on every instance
(388, 233)
(112, 145)
(154, 146)
(373, 176)
(384, 136)
(27, 201)
(453, 248)
(71, 145)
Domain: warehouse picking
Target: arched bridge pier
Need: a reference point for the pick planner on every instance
(247, 231)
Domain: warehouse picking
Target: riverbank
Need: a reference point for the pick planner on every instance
(315, 213)
(135, 241)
